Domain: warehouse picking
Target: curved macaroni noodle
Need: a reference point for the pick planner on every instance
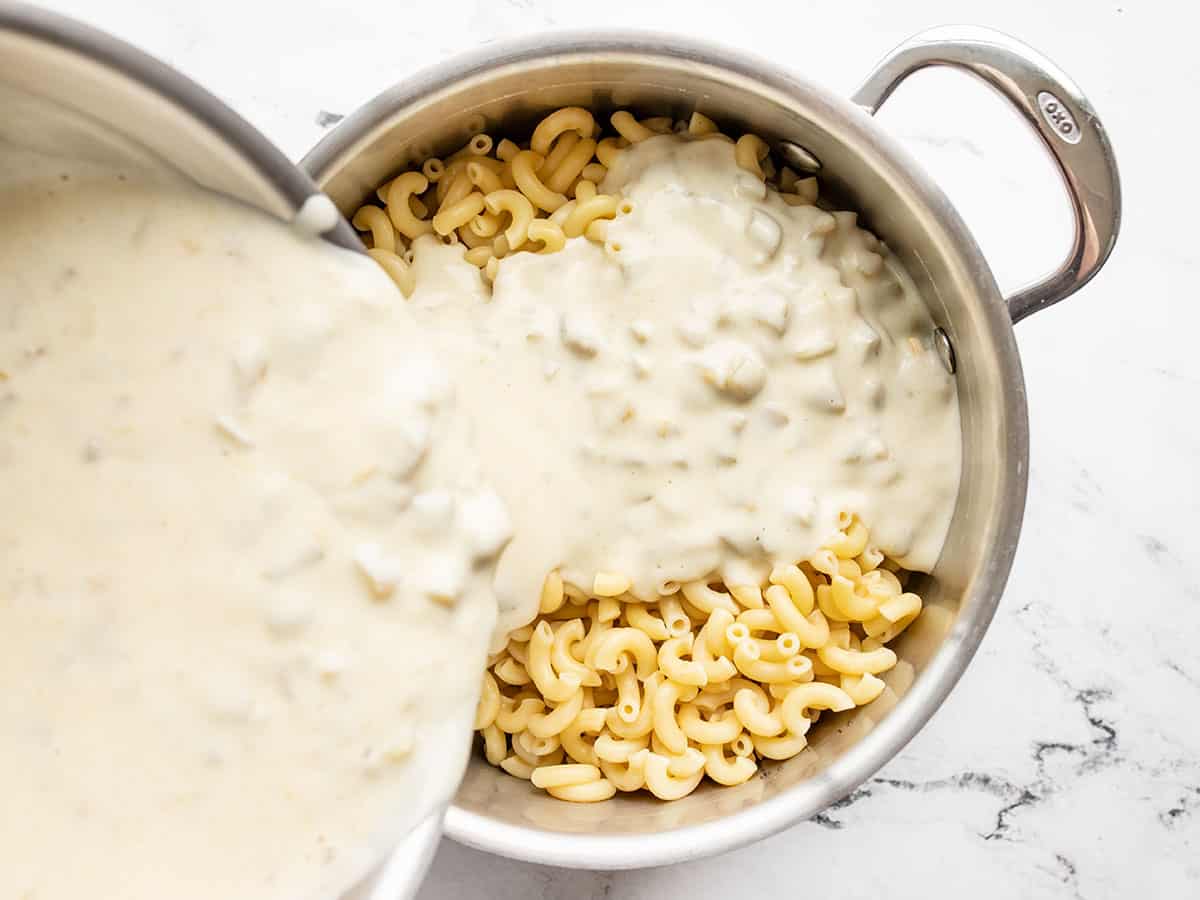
(662, 784)
(629, 128)
(525, 173)
(519, 208)
(720, 728)
(515, 718)
(550, 236)
(679, 670)
(552, 685)
(489, 702)
(603, 693)
(570, 167)
(726, 771)
(705, 599)
(618, 641)
(397, 269)
(639, 616)
(569, 118)
(749, 152)
(602, 206)
(609, 149)
(376, 221)
(401, 189)
(700, 124)
(589, 721)
(454, 215)
(629, 775)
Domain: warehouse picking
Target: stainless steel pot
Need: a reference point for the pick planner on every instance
(509, 87)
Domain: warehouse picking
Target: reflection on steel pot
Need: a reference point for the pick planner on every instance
(72, 91)
(510, 87)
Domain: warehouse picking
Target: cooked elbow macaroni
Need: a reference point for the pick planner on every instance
(628, 703)
(496, 198)
(605, 692)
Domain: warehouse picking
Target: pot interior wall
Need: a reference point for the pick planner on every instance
(860, 171)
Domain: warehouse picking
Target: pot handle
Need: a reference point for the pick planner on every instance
(1062, 117)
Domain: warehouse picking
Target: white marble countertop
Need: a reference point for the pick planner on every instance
(1067, 761)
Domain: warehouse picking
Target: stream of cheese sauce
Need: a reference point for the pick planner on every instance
(245, 551)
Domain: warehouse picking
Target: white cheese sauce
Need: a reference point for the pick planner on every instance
(247, 539)
(704, 400)
(245, 552)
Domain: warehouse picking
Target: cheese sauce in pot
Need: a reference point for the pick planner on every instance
(704, 395)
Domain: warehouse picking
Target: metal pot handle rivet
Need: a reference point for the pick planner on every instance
(1062, 117)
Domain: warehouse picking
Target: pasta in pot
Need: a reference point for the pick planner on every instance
(499, 179)
(611, 687)
(704, 702)
(487, 183)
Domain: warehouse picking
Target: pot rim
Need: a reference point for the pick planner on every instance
(943, 671)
